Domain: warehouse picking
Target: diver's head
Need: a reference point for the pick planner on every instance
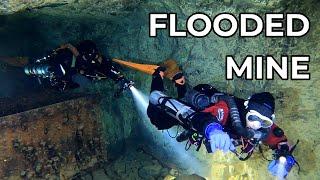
(179, 78)
(260, 113)
(88, 50)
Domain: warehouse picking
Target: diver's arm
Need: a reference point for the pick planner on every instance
(180, 83)
(106, 67)
(69, 46)
(282, 155)
(157, 80)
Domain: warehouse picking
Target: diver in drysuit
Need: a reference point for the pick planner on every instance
(54, 69)
(77, 66)
(94, 66)
(250, 122)
(222, 120)
(165, 112)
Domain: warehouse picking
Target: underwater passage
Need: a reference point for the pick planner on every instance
(209, 117)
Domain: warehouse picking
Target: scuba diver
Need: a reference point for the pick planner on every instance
(221, 121)
(55, 69)
(72, 66)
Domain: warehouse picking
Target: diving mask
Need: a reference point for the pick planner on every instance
(255, 120)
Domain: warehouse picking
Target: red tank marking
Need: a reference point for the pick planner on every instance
(220, 110)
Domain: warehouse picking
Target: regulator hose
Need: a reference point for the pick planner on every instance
(235, 116)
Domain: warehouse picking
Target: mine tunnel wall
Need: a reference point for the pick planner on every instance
(125, 35)
(57, 140)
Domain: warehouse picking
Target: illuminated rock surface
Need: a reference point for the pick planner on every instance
(120, 28)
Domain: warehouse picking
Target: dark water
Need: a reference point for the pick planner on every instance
(15, 83)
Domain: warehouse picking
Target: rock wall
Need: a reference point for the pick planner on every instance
(124, 34)
(55, 141)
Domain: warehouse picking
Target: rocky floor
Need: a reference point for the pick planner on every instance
(134, 164)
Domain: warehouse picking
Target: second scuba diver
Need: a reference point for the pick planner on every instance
(220, 121)
(73, 66)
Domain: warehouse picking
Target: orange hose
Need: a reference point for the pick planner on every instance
(145, 68)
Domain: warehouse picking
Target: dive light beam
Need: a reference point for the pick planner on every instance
(173, 150)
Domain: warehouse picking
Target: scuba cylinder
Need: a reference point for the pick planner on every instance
(173, 107)
(204, 95)
(186, 116)
(51, 68)
(54, 74)
(39, 70)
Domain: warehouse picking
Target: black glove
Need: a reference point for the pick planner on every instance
(123, 85)
(158, 70)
